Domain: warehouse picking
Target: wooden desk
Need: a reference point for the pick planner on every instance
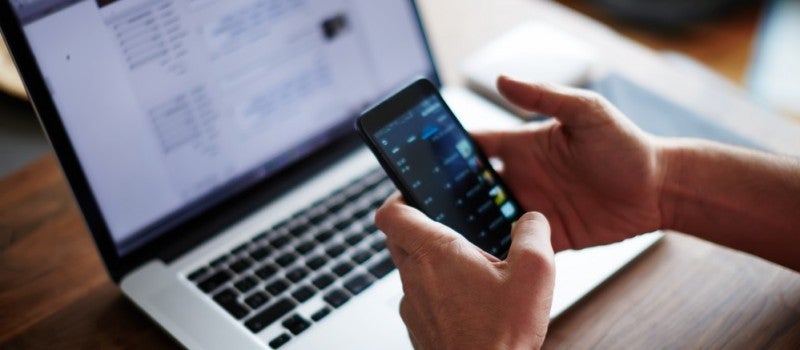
(682, 293)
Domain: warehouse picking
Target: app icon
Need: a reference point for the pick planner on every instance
(508, 210)
(464, 148)
(498, 194)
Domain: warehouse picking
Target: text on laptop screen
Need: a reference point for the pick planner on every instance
(172, 102)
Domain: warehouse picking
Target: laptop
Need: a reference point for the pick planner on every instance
(210, 147)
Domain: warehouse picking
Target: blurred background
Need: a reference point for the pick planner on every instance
(753, 44)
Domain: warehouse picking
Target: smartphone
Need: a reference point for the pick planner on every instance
(437, 166)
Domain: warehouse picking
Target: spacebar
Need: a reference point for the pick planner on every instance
(269, 315)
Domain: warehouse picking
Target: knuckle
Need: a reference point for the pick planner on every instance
(594, 100)
(406, 311)
(546, 85)
(537, 259)
(403, 307)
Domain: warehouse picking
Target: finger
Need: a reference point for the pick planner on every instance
(573, 107)
(530, 243)
(409, 228)
(493, 143)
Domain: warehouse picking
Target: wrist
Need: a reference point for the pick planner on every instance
(687, 166)
(671, 159)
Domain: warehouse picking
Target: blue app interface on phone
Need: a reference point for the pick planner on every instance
(449, 182)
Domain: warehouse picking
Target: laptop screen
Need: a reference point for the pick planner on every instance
(173, 105)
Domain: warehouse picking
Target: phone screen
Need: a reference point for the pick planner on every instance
(444, 173)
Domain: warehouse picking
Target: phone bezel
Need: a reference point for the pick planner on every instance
(393, 107)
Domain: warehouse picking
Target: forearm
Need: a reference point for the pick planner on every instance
(743, 199)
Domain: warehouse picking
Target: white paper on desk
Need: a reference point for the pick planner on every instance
(532, 51)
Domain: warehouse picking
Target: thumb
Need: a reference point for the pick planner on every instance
(573, 107)
(531, 249)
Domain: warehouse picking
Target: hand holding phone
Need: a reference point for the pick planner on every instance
(437, 166)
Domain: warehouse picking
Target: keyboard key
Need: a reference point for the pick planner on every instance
(297, 274)
(277, 287)
(305, 247)
(303, 293)
(296, 217)
(214, 281)
(358, 283)
(371, 228)
(378, 245)
(316, 262)
(343, 268)
(246, 284)
(353, 195)
(371, 184)
(219, 261)
(256, 299)
(320, 314)
(279, 242)
(200, 272)
(343, 224)
(335, 250)
(260, 237)
(239, 249)
(279, 341)
(337, 205)
(240, 265)
(318, 218)
(382, 267)
(227, 299)
(226, 294)
(337, 297)
(363, 212)
(361, 256)
(270, 315)
(286, 259)
(299, 230)
(260, 253)
(265, 272)
(324, 236)
(354, 238)
(296, 324)
(323, 281)
(281, 224)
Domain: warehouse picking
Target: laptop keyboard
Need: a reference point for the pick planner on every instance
(330, 249)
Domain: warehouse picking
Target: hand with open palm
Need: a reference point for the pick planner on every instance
(589, 170)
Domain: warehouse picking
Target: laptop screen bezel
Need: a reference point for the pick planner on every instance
(181, 236)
